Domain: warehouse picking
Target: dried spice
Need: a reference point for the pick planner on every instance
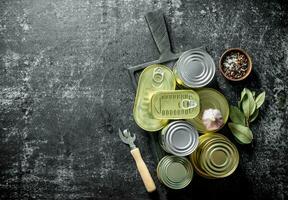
(235, 65)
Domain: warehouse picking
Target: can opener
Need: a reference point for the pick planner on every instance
(141, 166)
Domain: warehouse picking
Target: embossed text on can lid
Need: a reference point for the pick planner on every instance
(177, 104)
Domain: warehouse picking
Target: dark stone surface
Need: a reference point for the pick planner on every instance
(64, 93)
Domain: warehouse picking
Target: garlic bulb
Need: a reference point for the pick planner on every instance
(212, 119)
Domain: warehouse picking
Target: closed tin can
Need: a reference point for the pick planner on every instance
(179, 138)
(178, 104)
(219, 158)
(210, 99)
(215, 157)
(175, 172)
(195, 156)
(195, 68)
(152, 79)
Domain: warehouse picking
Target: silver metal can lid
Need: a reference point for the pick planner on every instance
(175, 172)
(196, 68)
(181, 138)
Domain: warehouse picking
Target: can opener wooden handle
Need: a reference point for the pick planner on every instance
(143, 170)
(141, 166)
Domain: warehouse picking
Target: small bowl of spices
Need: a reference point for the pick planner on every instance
(235, 64)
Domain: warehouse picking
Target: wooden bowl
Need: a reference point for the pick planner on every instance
(227, 52)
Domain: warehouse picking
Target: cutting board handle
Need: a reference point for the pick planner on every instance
(158, 29)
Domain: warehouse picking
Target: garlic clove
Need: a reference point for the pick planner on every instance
(212, 119)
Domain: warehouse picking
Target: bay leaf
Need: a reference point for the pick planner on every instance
(254, 115)
(248, 104)
(236, 115)
(260, 99)
(238, 141)
(239, 104)
(243, 94)
(242, 133)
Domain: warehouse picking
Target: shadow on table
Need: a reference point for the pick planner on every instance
(154, 195)
(234, 187)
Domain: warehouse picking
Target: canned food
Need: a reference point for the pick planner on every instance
(195, 156)
(210, 99)
(178, 104)
(195, 68)
(179, 138)
(215, 157)
(153, 78)
(175, 172)
(218, 159)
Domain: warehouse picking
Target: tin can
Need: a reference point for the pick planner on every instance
(179, 138)
(152, 79)
(215, 157)
(194, 69)
(210, 98)
(178, 104)
(175, 172)
(219, 159)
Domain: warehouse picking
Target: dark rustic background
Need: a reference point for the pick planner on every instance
(64, 92)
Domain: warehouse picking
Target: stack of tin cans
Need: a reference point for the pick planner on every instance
(153, 78)
(157, 101)
(180, 139)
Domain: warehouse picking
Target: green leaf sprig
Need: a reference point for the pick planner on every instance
(246, 112)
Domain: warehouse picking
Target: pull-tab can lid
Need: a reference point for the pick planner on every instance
(177, 104)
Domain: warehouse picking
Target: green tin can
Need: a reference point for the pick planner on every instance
(178, 104)
(195, 156)
(152, 79)
(175, 172)
(210, 99)
(215, 157)
(219, 158)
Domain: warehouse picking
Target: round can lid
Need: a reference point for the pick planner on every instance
(196, 68)
(175, 172)
(181, 138)
(219, 158)
(212, 160)
(195, 156)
